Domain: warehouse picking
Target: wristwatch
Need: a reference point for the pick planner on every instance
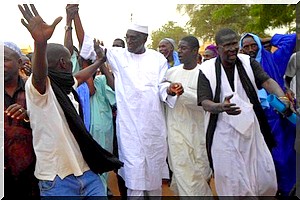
(68, 27)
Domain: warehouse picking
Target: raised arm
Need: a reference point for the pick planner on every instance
(80, 36)
(106, 71)
(68, 40)
(88, 72)
(41, 33)
(78, 27)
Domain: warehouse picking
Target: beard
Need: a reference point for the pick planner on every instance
(252, 54)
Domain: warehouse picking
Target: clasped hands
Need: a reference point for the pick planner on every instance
(101, 55)
(175, 89)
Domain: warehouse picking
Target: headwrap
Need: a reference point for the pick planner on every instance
(262, 92)
(212, 48)
(258, 42)
(13, 47)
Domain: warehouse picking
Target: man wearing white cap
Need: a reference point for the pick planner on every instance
(167, 47)
(141, 127)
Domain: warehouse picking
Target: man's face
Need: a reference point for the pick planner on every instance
(165, 48)
(117, 43)
(135, 41)
(185, 52)
(228, 49)
(250, 47)
(12, 63)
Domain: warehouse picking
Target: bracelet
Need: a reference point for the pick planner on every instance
(26, 120)
(68, 28)
(284, 98)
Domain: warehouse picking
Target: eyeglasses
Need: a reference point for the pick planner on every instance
(132, 38)
(229, 46)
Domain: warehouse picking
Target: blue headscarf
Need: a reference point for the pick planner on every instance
(258, 42)
(262, 93)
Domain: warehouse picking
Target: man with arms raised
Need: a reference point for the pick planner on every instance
(67, 159)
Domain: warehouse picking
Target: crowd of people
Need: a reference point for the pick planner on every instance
(74, 114)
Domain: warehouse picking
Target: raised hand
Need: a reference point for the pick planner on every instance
(71, 10)
(39, 30)
(99, 51)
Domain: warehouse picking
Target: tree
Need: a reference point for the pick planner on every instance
(207, 19)
(273, 16)
(169, 30)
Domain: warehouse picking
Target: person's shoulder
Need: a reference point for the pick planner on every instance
(175, 68)
(100, 77)
(208, 63)
(295, 57)
(117, 49)
(296, 54)
(148, 50)
(154, 52)
(243, 56)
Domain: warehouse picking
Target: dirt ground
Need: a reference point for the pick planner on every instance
(166, 191)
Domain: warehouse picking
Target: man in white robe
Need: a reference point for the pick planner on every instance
(185, 122)
(237, 140)
(140, 92)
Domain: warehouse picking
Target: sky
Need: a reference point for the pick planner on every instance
(104, 21)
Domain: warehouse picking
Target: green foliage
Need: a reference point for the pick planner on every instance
(207, 19)
(169, 30)
(272, 16)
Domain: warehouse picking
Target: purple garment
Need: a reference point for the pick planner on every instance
(213, 48)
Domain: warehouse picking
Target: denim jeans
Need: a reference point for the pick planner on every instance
(86, 185)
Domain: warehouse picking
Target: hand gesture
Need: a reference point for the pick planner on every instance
(175, 89)
(39, 30)
(99, 51)
(72, 10)
(230, 108)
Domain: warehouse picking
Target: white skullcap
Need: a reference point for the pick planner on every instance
(13, 47)
(171, 41)
(138, 28)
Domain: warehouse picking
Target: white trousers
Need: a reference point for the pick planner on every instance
(139, 194)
